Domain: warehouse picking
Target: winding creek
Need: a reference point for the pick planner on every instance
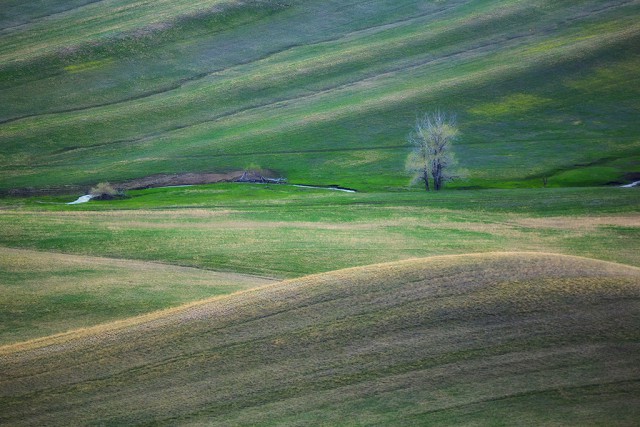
(333, 188)
(87, 197)
(81, 199)
(633, 184)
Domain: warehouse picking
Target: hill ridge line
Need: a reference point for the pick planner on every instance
(576, 47)
(40, 18)
(373, 29)
(135, 261)
(186, 81)
(382, 26)
(61, 339)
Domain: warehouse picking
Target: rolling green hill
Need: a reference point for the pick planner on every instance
(490, 339)
(321, 92)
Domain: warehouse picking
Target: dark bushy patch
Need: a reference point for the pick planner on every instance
(106, 191)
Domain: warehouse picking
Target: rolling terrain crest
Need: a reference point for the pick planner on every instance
(532, 338)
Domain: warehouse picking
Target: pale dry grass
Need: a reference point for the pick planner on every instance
(151, 214)
(406, 217)
(22, 260)
(285, 243)
(94, 23)
(357, 159)
(511, 267)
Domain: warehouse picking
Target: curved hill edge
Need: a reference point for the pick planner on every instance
(526, 337)
(129, 262)
(43, 293)
(166, 316)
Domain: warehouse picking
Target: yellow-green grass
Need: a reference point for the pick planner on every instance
(170, 92)
(286, 232)
(46, 293)
(485, 339)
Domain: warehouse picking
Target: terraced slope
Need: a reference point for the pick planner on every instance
(515, 338)
(323, 92)
(45, 293)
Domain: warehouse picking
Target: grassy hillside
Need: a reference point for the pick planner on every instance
(485, 339)
(322, 92)
(44, 293)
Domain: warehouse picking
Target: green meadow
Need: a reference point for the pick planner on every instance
(510, 297)
(284, 231)
(45, 293)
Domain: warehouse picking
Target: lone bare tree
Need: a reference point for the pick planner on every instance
(431, 156)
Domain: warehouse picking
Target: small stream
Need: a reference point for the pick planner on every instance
(633, 184)
(87, 197)
(346, 190)
(81, 199)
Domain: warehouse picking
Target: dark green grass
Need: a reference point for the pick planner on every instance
(542, 89)
(492, 339)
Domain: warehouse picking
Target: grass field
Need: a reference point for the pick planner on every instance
(489, 339)
(542, 89)
(283, 231)
(67, 268)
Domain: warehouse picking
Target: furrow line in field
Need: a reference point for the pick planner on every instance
(258, 107)
(179, 84)
(389, 72)
(240, 111)
(517, 395)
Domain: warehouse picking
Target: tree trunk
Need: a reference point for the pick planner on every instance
(437, 176)
(425, 177)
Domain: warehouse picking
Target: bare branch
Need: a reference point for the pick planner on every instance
(431, 141)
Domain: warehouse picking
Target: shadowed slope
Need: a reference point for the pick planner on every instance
(519, 337)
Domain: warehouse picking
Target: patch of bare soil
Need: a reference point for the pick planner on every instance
(167, 180)
(159, 180)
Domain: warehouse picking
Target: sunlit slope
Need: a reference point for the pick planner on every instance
(322, 92)
(45, 293)
(519, 338)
